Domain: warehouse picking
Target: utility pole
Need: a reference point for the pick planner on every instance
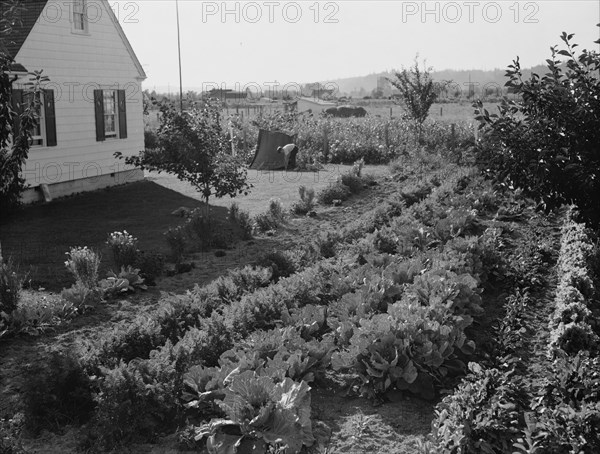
(179, 51)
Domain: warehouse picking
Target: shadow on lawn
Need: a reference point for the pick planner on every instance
(38, 236)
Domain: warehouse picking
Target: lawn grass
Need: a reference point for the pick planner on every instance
(38, 236)
(269, 184)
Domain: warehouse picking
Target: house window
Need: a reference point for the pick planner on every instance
(111, 114)
(43, 132)
(80, 16)
(38, 134)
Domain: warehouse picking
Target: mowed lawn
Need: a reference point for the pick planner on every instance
(269, 184)
(39, 236)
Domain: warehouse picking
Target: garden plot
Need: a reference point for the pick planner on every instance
(364, 316)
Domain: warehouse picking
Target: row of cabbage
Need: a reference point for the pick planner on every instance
(574, 325)
(547, 406)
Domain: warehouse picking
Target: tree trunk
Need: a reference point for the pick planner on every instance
(206, 209)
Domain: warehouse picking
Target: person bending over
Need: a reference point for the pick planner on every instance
(289, 155)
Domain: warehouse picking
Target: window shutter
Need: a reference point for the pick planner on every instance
(50, 118)
(121, 100)
(99, 108)
(17, 107)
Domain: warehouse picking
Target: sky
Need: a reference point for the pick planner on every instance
(237, 44)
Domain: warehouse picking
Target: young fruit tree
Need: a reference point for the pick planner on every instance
(16, 121)
(194, 146)
(547, 140)
(418, 92)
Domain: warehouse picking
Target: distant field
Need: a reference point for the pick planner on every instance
(447, 112)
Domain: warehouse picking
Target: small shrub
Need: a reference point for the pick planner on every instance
(354, 182)
(276, 210)
(198, 227)
(36, 313)
(280, 263)
(80, 295)
(151, 266)
(124, 248)
(265, 222)
(357, 167)
(83, 263)
(415, 192)
(272, 218)
(128, 340)
(369, 179)
(245, 224)
(326, 243)
(242, 219)
(335, 191)
(11, 284)
(307, 201)
(135, 399)
(233, 212)
(544, 142)
(250, 278)
(176, 238)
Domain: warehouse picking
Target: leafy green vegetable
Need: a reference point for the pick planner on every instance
(260, 409)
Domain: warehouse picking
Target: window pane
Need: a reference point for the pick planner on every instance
(110, 113)
(79, 12)
(79, 6)
(109, 124)
(79, 21)
(109, 102)
(36, 130)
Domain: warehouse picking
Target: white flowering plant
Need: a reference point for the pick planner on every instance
(83, 263)
(124, 247)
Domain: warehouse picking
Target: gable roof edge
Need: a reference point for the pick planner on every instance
(26, 18)
(138, 65)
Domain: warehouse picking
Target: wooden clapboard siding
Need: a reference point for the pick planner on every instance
(98, 60)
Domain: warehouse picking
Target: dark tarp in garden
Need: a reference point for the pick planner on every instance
(267, 157)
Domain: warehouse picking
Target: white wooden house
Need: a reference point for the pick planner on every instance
(92, 105)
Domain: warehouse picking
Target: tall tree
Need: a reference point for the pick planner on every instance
(418, 92)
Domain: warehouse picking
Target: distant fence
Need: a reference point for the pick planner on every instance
(250, 110)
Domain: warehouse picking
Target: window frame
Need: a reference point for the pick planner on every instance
(120, 114)
(41, 123)
(115, 103)
(81, 17)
